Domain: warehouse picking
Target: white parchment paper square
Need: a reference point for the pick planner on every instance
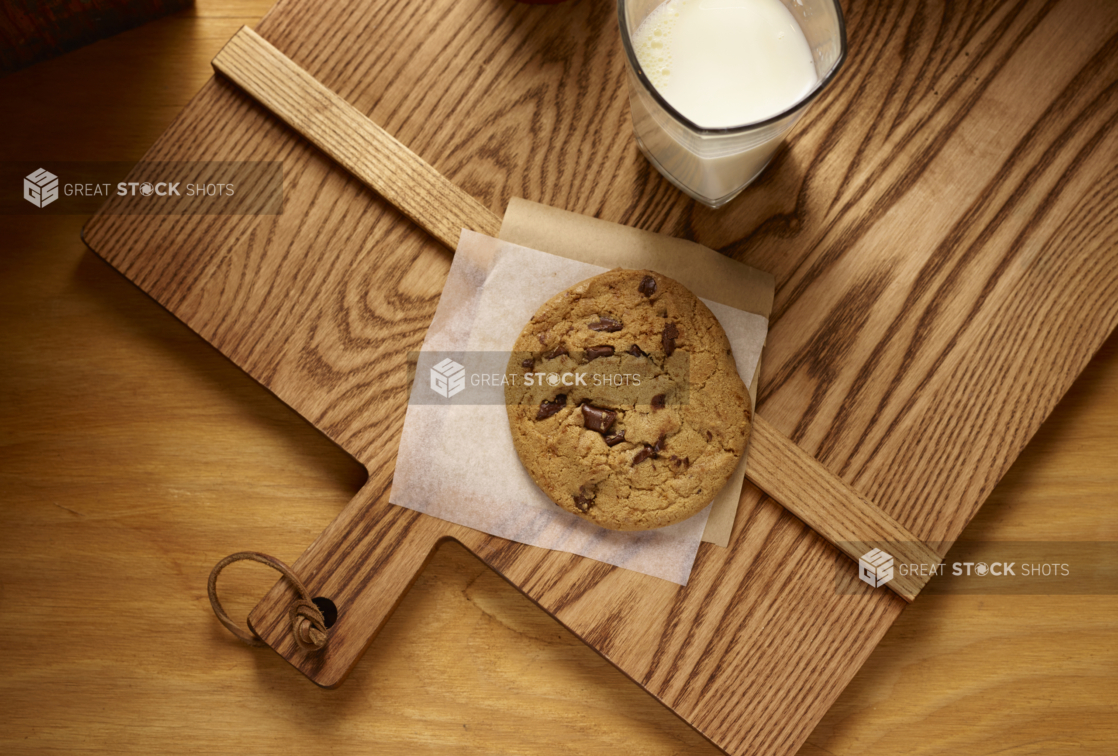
(457, 462)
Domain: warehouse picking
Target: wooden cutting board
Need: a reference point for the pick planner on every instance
(942, 227)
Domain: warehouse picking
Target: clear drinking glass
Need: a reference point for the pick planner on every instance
(714, 165)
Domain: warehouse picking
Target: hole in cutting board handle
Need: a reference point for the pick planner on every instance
(328, 608)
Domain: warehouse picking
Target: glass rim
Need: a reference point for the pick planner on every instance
(635, 66)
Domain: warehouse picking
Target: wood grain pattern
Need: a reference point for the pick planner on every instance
(940, 225)
(847, 520)
(134, 456)
(338, 129)
(794, 479)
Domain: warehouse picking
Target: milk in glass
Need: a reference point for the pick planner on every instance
(721, 64)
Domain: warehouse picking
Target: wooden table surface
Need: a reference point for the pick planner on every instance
(135, 456)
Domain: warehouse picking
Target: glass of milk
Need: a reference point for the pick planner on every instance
(715, 84)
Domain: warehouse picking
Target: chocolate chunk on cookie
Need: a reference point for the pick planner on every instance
(602, 350)
(613, 439)
(607, 324)
(622, 455)
(668, 337)
(549, 408)
(596, 418)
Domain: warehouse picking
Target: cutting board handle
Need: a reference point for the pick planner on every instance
(364, 563)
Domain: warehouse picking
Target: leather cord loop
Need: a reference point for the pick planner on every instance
(307, 623)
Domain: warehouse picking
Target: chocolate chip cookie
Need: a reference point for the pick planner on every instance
(625, 403)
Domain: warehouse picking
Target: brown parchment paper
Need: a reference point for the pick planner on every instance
(456, 459)
(711, 276)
